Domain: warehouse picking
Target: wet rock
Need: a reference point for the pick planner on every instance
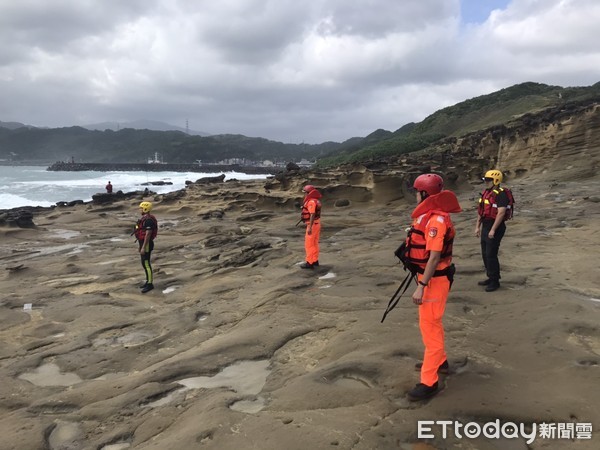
(175, 195)
(217, 179)
(19, 217)
(217, 214)
(157, 183)
(103, 198)
(341, 203)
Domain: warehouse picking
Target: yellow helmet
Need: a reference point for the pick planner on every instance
(146, 207)
(495, 175)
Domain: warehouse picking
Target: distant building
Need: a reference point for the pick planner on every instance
(156, 159)
(306, 163)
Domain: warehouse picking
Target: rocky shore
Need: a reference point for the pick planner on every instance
(237, 347)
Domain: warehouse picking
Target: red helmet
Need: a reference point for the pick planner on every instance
(430, 183)
(308, 188)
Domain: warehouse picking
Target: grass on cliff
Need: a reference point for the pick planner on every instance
(479, 113)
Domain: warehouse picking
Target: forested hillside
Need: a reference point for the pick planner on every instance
(23, 143)
(498, 108)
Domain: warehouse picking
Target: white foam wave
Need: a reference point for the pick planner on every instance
(35, 186)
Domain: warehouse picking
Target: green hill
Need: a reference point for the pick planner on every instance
(22, 143)
(498, 108)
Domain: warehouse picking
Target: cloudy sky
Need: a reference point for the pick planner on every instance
(288, 70)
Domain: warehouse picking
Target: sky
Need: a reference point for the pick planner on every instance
(287, 70)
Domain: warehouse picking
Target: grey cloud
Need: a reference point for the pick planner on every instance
(282, 69)
(53, 25)
(378, 18)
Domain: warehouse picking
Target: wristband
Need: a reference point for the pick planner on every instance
(422, 284)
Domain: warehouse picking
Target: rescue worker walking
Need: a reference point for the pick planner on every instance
(311, 216)
(429, 255)
(109, 188)
(490, 227)
(146, 230)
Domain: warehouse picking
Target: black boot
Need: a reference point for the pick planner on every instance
(422, 392)
(492, 286)
(443, 368)
(147, 288)
(307, 265)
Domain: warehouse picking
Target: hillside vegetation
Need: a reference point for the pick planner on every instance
(136, 146)
(498, 108)
(24, 143)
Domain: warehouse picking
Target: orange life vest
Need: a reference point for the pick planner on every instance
(305, 215)
(488, 208)
(415, 255)
(140, 231)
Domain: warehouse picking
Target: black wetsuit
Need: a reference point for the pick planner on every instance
(490, 247)
(147, 223)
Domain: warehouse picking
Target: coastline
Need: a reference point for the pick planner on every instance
(237, 347)
(160, 167)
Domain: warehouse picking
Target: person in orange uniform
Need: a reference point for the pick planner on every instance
(311, 216)
(429, 252)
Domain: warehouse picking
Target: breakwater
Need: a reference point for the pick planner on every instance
(129, 167)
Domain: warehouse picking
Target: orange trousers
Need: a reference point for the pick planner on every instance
(432, 329)
(311, 243)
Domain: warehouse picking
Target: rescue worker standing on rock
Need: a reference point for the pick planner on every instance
(428, 253)
(311, 216)
(490, 227)
(146, 230)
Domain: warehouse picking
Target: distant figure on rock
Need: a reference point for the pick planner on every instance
(495, 207)
(427, 254)
(109, 188)
(145, 231)
(311, 216)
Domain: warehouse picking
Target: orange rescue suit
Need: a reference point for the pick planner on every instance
(312, 205)
(431, 218)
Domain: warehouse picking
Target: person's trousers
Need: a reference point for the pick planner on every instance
(489, 249)
(431, 312)
(146, 260)
(311, 243)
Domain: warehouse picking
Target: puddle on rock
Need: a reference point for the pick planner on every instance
(132, 339)
(65, 436)
(170, 289)
(111, 262)
(111, 376)
(327, 276)
(249, 406)
(66, 234)
(244, 377)
(50, 375)
(350, 382)
(166, 399)
(119, 446)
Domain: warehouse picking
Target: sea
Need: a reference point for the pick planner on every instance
(36, 186)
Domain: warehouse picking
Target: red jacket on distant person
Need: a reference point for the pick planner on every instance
(109, 188)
